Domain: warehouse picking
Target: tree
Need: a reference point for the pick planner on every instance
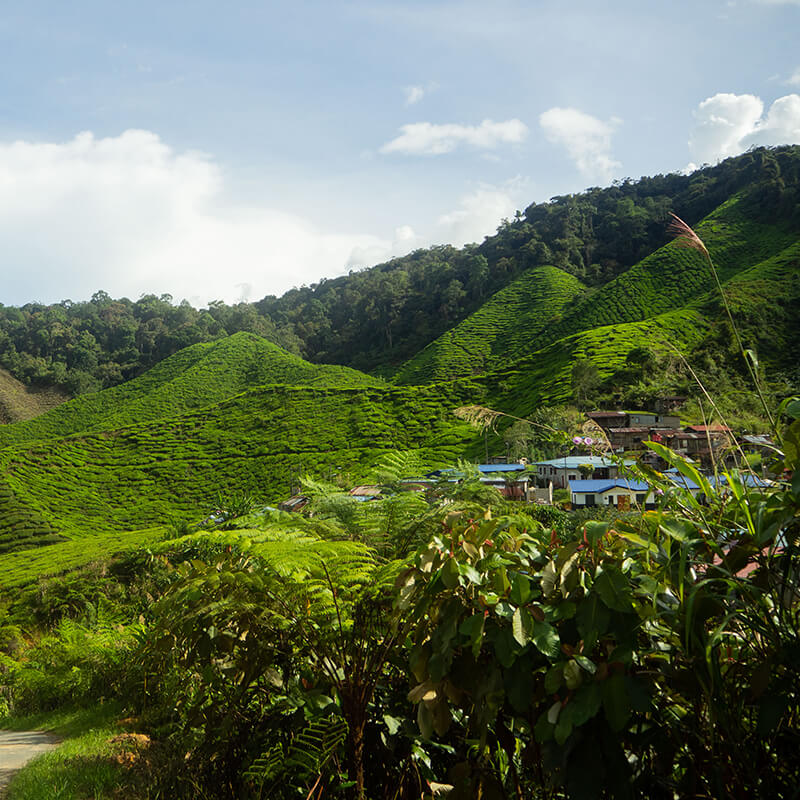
(585, 381)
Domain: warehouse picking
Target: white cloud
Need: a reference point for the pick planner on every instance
(721, 122)
(380, 250)
(426, 138)
(794, 78)
(414, 94)
(130, 215)
(478, 214)
(586, 139)
(727, 124)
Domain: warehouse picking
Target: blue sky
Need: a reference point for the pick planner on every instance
(232, 150)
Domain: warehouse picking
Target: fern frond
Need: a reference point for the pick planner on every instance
(306, 757)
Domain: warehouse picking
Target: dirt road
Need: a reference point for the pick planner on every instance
(17, 748)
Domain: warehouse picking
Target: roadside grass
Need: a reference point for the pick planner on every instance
(87, 764)
(65, 723)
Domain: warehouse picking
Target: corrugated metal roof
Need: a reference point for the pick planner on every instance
(572, 462)
(601, 486)
(750, 481)
(365, 491)
(708, 428)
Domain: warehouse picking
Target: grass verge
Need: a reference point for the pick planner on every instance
(95, 759)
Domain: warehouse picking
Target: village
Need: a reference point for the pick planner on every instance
(594, 469)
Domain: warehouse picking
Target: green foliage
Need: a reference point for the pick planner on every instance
(641, 660)
(500, 332)
(74, 664)
(256, 443)
(196, 377)
(305, 761)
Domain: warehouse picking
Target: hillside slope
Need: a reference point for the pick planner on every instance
(668, 301)
(197, 376)
(674, 276)
(19, 402)
(764, 299)
(503, 330)
(259, 442)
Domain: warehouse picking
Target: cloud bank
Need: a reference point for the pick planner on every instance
(728, 124)
(586, 139)
(130, 215)
(429, 139)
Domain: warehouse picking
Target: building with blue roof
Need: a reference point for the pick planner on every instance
(622, 493)
(719, 483)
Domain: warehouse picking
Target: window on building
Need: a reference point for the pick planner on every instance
(589, 500)
(572, 477)
(640, 498)
(610, 500)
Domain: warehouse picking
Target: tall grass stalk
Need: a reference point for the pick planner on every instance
(685, 236)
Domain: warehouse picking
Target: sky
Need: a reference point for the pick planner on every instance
(225, 151)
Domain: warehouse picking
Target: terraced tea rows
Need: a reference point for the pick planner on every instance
(545, 377)
(502, 331)
(259, 442)
(195, 377)
(675, 275)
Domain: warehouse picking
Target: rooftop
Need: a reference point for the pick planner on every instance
(573, 462)
(600, 486)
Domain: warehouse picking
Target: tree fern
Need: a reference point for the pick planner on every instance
(311, 756)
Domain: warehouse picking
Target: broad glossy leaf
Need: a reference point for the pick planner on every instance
(572, 674)
(521, 624)
(470, 573)
(545, 637)
(586, 664)
(425, 721)
(450, 573)
(553, 678)
(613, 588)
(549, 579)
(585, 703)
(520, 589)
(592, 618)
(595, 531)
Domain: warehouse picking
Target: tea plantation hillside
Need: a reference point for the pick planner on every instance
(545, 376)
(87, 486)
(668, 301)
(502, 331)
(673, 275)
(195, 377)
(764, 299)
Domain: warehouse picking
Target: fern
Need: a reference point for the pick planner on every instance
(307, 757)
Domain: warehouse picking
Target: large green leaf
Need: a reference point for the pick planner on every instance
(613, 587)
(545, 638)
(592, 618)
(521, 624)
(450, 573)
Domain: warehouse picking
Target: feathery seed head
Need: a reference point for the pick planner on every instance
(685, 235)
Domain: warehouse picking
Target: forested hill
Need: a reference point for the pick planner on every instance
(379, 318)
